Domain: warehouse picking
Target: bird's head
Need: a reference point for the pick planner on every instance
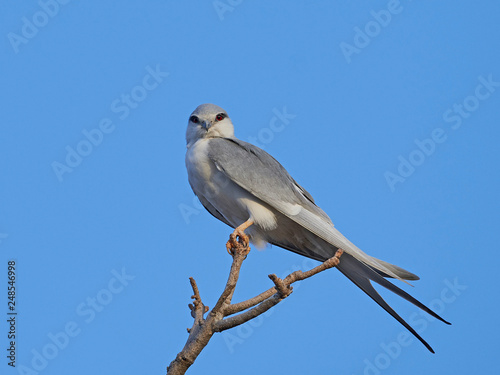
(208, 121)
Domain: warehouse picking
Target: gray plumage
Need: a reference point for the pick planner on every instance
(237, 181)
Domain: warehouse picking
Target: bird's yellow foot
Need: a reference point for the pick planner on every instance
(237, 239)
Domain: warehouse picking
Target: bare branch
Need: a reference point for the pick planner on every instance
(216, 321)
(244, 305)
(239, 250)
(329, 263)
(290, 279)
(281, 290)
(244, 317)
(197, 307)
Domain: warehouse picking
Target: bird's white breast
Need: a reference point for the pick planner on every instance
(198, 164)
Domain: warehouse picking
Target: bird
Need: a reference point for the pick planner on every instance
(246, 188)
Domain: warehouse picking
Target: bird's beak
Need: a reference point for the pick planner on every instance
(206, 124)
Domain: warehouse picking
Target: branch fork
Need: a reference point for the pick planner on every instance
(226, 315)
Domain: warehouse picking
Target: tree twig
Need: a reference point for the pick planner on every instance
(217, 319)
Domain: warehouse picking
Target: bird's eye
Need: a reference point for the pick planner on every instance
(193, 119)
(220, 117)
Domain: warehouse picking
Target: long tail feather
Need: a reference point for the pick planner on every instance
(404, 274)
(360, 274)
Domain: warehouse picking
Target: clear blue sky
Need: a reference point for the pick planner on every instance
(393, 127)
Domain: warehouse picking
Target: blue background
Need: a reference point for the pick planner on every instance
(127, 206)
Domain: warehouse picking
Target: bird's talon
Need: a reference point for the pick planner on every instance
(232, 244)
(237, 240)
(229, 248)
(242, 238)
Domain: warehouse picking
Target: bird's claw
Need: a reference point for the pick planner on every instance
(237, 240)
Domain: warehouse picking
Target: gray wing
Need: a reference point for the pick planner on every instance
(212, 210)
(267, 180)
(264, 177)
